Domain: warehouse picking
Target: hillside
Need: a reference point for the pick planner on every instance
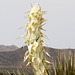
(10, 60)
(8, 48)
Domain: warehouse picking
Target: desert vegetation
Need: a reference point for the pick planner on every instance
(35, 54)
(34, 42)
(63, 66)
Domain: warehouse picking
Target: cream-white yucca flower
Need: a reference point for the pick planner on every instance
(34, 42)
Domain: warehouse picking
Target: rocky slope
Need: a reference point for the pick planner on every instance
(10, 60)
(8, 48)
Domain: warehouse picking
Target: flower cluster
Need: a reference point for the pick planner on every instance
(34, 42)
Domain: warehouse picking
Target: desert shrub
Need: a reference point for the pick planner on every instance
(64, 67)
(1, 73)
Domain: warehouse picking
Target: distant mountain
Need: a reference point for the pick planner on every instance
(7, 48)
(14, 59)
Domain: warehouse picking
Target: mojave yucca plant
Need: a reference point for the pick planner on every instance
(34, 42)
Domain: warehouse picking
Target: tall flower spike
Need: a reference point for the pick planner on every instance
(35, 44)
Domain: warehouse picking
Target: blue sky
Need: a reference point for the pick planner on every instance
(60, 24)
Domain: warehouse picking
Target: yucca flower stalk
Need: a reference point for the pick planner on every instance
(34, 42)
